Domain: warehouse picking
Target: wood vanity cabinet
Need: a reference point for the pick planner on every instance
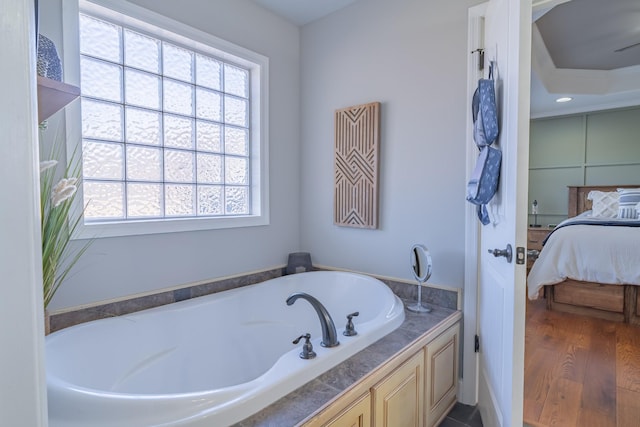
(415, 388)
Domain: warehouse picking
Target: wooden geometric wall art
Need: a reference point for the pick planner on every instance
(357, 140)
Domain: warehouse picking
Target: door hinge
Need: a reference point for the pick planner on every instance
(477, 344)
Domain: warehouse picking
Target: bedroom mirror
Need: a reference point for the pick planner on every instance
(587, 50)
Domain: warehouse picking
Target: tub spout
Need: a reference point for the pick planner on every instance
(329, 335)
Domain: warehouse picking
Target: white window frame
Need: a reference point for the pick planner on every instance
(131, 15)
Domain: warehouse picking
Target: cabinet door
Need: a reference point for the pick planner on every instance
(441, 375)
(356, 414)
(398, 399)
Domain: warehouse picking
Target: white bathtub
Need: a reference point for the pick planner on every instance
(209, 361)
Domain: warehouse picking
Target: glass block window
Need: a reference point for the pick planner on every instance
(165, 128)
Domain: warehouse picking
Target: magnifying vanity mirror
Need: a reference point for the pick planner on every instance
(421, 265)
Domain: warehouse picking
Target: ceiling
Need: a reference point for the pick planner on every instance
(593, 34)
(301, 12)
(588, 50)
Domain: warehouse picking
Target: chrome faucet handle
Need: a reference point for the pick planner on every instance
(350, 330)
(307, 347)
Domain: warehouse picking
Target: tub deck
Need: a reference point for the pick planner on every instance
(298, 405)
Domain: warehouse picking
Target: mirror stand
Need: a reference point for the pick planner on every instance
(418, 307)
(421, 266)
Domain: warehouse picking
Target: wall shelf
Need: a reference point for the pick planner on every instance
(53, 96)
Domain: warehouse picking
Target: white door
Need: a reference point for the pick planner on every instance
(502, 28)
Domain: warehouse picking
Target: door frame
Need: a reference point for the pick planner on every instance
(470, 359)
(21, 307)
(469, 383)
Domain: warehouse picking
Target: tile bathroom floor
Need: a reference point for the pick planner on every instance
(462, 416)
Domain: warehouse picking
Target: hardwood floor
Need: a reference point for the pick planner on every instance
(580, 371)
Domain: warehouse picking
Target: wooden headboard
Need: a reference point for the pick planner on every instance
(578, 202)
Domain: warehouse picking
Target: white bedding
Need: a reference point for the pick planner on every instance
(590, 253)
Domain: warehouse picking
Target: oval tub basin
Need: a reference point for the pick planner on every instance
(212, 360)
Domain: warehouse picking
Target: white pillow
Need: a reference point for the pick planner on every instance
(604, 203)
(629, 198)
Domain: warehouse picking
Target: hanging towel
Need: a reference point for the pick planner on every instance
(485, 177)
(484, 181)
(485, 113)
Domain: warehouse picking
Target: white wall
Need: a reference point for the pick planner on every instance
(410, 55)
(114, 267)
(593, 148)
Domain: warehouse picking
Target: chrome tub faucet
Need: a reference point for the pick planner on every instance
(329, 335)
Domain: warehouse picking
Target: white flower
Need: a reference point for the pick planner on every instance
(47, 164)
(64, 182)
(64, 189)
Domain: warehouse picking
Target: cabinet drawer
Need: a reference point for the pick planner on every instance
(602, 297)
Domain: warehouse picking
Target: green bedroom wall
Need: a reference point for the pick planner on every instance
(594, 148)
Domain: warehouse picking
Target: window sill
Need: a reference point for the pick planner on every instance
(105, 229)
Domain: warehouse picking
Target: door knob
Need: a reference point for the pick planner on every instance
(507, 253)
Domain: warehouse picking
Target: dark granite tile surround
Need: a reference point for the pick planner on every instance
(430, 295)
(65, 318)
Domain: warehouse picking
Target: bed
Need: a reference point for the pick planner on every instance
(590, 269)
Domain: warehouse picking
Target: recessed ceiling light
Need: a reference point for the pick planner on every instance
(564, 99)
